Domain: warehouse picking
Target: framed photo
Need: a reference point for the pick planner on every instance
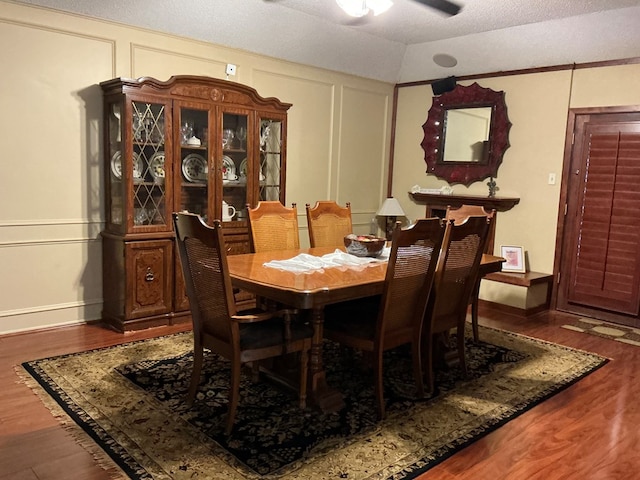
(515, 258)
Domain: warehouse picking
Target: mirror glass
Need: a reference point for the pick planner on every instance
(466, 134)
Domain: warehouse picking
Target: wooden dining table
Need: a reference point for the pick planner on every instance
(312, 291)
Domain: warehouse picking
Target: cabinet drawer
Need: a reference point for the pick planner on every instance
(149, 278)
(237, 244)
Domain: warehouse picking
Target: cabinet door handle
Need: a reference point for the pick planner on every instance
(149, 276)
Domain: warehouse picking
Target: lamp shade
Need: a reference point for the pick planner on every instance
(391, 208)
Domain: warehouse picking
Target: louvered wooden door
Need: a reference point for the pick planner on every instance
(600, 264)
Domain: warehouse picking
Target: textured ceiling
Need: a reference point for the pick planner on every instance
(399, 45)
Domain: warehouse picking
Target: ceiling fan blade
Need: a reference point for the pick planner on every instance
(445, 6)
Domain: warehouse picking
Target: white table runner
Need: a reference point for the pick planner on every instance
(308, 263)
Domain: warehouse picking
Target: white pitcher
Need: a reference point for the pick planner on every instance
(228, 211)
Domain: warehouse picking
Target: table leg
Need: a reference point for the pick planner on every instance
(327, 398)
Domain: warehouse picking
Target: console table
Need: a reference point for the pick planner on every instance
(437, 206)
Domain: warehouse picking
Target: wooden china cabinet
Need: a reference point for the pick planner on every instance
(191, 143)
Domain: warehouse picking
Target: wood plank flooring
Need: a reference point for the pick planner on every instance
(587, 432)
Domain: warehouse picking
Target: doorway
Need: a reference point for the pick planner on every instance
(598, 255)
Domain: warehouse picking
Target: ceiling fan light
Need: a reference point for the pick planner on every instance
(359, 8)
(379, 6)
(355, 8)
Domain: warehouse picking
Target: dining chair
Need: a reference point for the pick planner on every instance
(459, 215)
(241, 338)
(328, 223)
(454, 282)
(272, 226)
(380, 323)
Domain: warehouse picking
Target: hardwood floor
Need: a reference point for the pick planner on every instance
(589, 431)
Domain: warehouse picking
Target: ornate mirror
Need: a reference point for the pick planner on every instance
(466, 134)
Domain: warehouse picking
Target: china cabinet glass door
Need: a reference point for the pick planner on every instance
(147, 166)
(235, 166)
(270, 159)
(115, 188)
(194, 152)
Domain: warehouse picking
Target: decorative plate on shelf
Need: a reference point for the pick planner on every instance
(243, 168)
(116, 165)
(228, 169)
(156, 165)
(194, 168)
(138, 167)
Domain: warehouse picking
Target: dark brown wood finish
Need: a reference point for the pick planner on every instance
(441, 202)
(588, 431)
(460, 215)
(598, 237)
(456, 280)
(378, 324)
(143, 125)
(313, 292)
(437, 205)
(527, 71)
(217, 325)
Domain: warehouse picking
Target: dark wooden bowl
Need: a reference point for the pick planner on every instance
(364, 245)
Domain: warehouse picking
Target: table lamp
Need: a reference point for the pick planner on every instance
(390, 209)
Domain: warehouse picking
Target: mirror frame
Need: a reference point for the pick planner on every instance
(433, 142)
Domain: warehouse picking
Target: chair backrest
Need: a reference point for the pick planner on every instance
(204, 265)
(457, 271)
(410, 273)
(328, 223)
(460, 214)
(272, 226)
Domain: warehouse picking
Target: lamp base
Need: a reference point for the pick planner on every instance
(390, 224)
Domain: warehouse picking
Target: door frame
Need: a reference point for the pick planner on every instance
(566, 172)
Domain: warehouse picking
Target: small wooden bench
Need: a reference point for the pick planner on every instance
(527, 280)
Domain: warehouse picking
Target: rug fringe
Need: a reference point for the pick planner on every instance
(79, 436)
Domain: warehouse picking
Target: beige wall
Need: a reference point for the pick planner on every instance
(52, 207)
(537, 106)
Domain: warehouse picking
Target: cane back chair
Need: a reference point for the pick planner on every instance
(459, 215)
(272, 226)
(249, 337)
(395, 318)
(328, 223)
(454, 282)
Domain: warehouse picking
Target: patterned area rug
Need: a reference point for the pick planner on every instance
(620, 333)
(129, 400)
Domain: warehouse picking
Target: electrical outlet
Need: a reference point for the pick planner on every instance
(231, 69)
(552, 179)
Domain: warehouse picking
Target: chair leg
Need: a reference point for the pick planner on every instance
(474, 319)
(304, 363)
(255, 371)
(195, 375)
(429, 361)
(474, 311)
(379, 387)
(461, 356)
(417, 367)
(234, 394)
